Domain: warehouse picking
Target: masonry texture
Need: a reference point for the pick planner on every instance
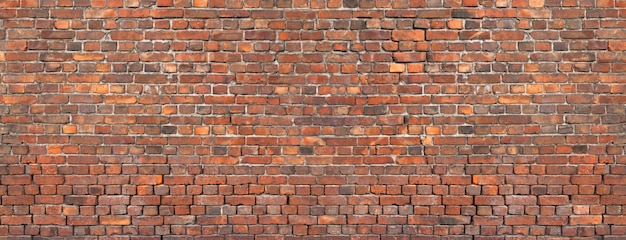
(370, 119)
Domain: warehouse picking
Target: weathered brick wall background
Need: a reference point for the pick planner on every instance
(492, 119)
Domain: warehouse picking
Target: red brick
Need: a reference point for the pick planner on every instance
(441, 35)
(615, 220)
(407, 35)
(147, 180)
(487, 180)
(113, 200)
(271, 200)
(488, 220)
(612, 200)
(409, 57)
(457, 200)
(361, 219)
(240, 200)
(426, 200)
(374, 35)
(80, 200)
(212, 220)
(147, 220)
(357, 119)
(434, 13)
(48, 220)
(82, 220)
(16, 220)
(126, 35)
(489, 200)
(123, 57)
(521, 200)
(166, 13)
(585, 219)
(424, 220)
(553, 200)
(57, 34)
(552, 220)
(208, 200)
(519, 220)
(100, 13)
(115, 220)
(323, 220)
(66, 13)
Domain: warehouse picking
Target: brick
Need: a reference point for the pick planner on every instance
(519, 220)
(114, 200)
(441, 35)
(55, 57)
(361, 219)
(66, 13)
(145, 200)
(82, 220)
(147, 220)
(192, 35)
(577, 34)
(155, 57)
(485, 78)
(57, 34)
(467, 13)
(100, 13)
(166, 13)
(553, 200)
(487, 180)
(617, 45)
(616, 220)
(208, 200)
(324, 220)
(374, 35)
(488, 220)
(407, 35)
(126, 35)
(48, 220)
(426, 220)
(585, 219)
(16, 220)
(470, 35)
(568, 13)
(508, 35)
(115, 220)
(226, 35)
(89, 57)
(453, 220)
(478, 57)
(147, 180)
(341, 35)
(348, 119)
(260, 35)
(212, 220)
(434, 13)
(80, 200)
(409, 57)
(521, 200)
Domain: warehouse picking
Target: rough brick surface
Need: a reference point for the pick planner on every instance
(433, 119)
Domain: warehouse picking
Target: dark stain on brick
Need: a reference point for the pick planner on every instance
(305, 150)
(220, 150)
(168, 129)
(375, 110)
(351, 3)
(580, 149)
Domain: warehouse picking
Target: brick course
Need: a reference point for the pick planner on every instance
(364, 119)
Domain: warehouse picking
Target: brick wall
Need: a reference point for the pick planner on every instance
(492, 119)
